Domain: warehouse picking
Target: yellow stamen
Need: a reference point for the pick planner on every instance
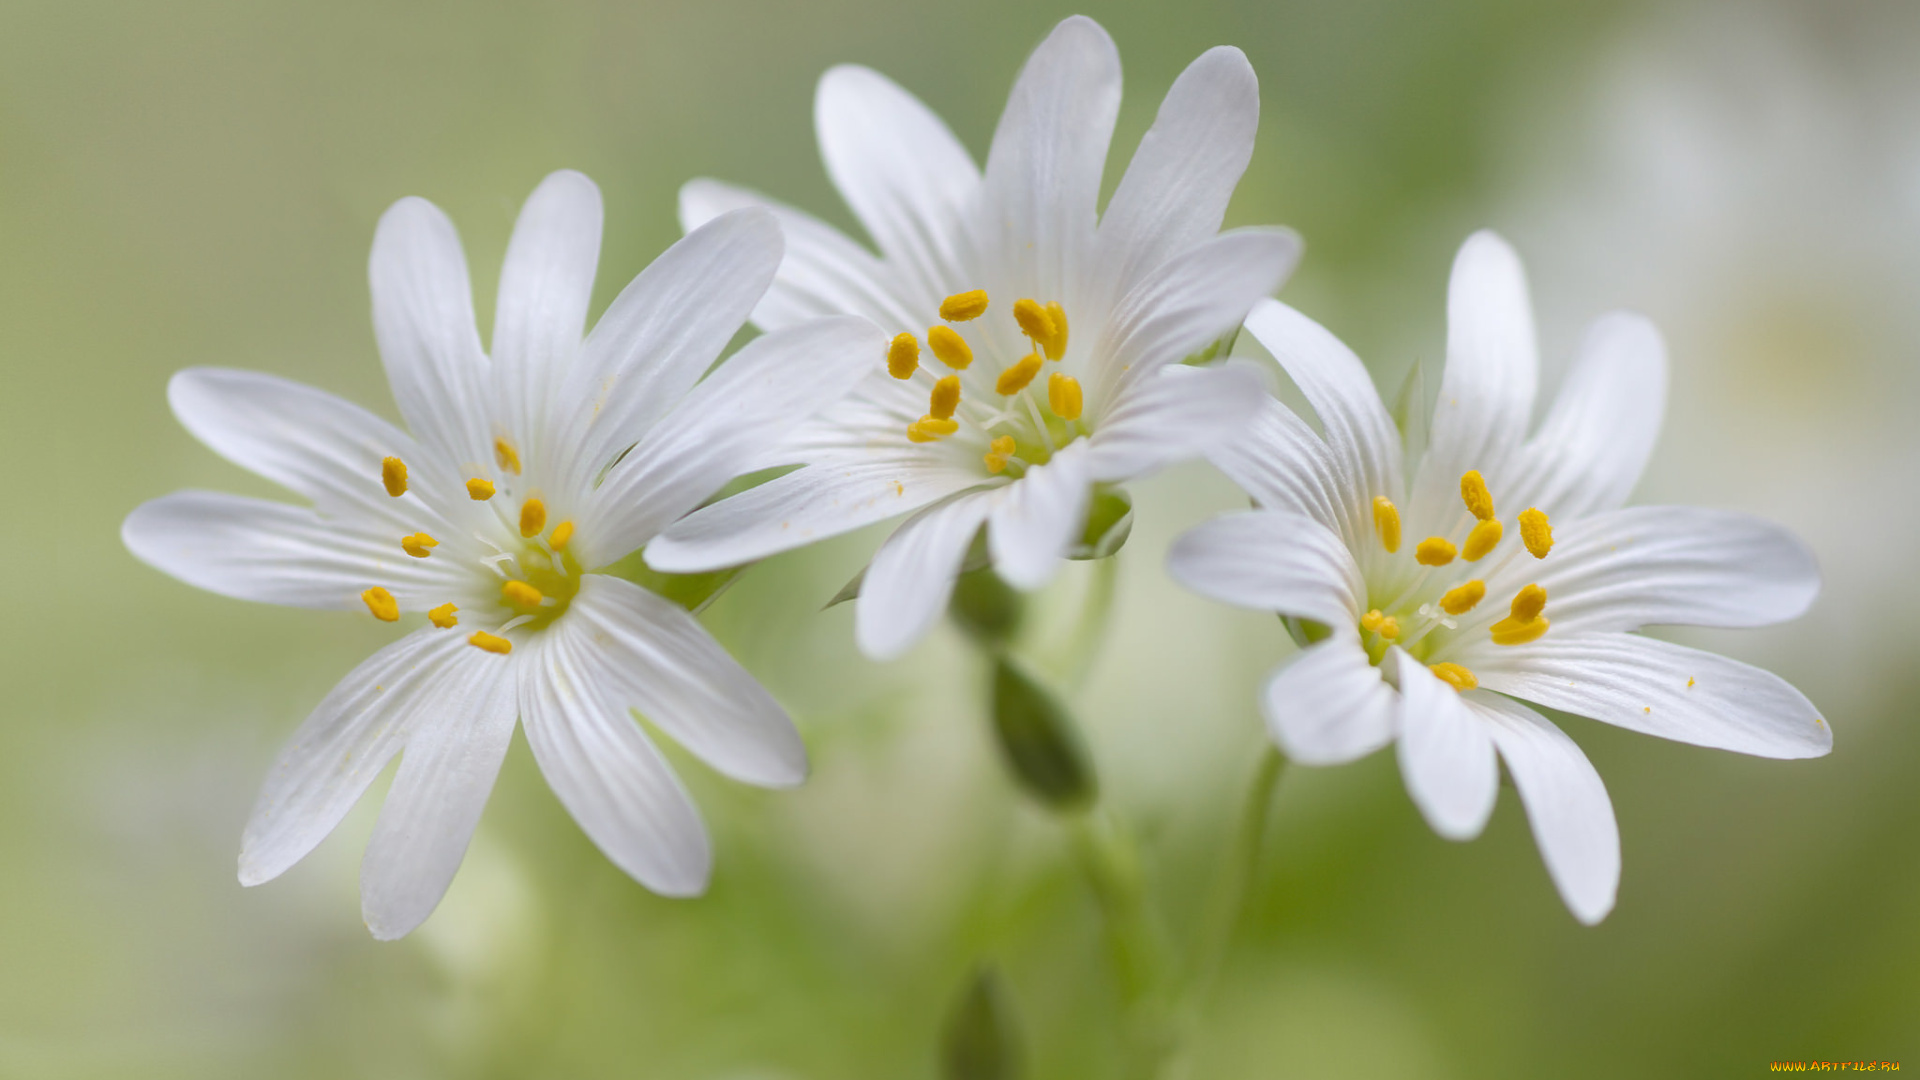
(930, 428)
(562, 533)
(1371, 621)
(486, 642)
(1015, 379)
(418, 545)
(998, 453)
(1473, 492)
(479, 490)
(1536, 531)
(520, 594)
(1484, 538)
(1389, 627)
(1461, 599)
(393, 473)
(1034, 320)
(443, 616)
(1056, 345)
(945, 399)
(1454, 675)
(1524, 622)
(1063, 396)
(1386, 522)
(533, 518)
(507, 456)
(382, 604)
(961, 307)
(1434, 551)
(949, 347)
(903, 355)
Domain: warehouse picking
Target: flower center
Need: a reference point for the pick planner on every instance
(1435, 610)
(1020, 419)
(538, 577)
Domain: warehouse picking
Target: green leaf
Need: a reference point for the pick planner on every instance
(982, 1041)
(1038, 739)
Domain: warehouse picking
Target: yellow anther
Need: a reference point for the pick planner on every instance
(1389, 628)
(486, 642)
(903, 355)
(1524, 622)
(1473, 492)
(1063, 396)
(1015, 379)
(1034, 320)
(1454, 675)
(930, 428)
(562, 533)
(963, 306)
(997, 454)
(1461, 599)
(1056, 345)
(443, 616)
(949, 347)
(382, 604)
(1371, 621)
(1483, 539)
(508, 457)
(521, 594)
(1536, 531)
(533, 518)
(479, 490)
(945, 399)
(393, 474)
(419, 545)
(1434, 551)
(1386, 522)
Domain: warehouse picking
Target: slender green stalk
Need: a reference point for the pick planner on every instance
(1108, 859)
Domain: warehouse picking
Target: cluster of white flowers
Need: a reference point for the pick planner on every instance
(1010, 353)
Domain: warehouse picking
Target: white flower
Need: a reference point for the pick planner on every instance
(1434, 616)
(1048, 328)
(527, 469)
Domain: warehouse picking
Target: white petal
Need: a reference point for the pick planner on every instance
(1668, 565)
(1360, 436)
(1049, 150)
(1184, 305)
(1486, 393)
(1659, 688)
(823, 274)
(452, 756)
(423, 319)
(339, 750)
(1594, 443)
(804, 506)
(758, 395)
(1271, 560)
(1329, 706)
(1175, 191)
(906, 177)
(605, 770)
(659, 658)
(545, 285)
(1282, 465)
(272, 553)
(1038, 517)
(911, 578)
(323, 447)
(1446, 753)
(1567, 805)
(658, 337)
(1178, 414)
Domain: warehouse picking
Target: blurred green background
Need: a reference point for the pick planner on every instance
(197, 183)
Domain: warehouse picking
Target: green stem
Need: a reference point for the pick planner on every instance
(1106, 856)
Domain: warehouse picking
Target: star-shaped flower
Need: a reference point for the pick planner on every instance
(1506, 572)
(1036, 341)
(527, 470)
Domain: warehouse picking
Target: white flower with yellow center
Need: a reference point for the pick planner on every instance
(1506, 571)
(526, 470)
(1036, 342)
